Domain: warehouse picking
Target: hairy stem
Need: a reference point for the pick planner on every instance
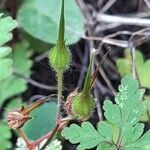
(59, 95)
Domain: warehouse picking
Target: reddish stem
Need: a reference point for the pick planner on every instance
(37, 142)
(50, 137)
(22, 134)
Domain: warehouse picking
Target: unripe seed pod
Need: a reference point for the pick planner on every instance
(82, 106)
(59, 57)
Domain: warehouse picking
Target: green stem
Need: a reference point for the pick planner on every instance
(59, 95)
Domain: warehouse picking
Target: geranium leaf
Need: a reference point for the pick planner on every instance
(44, 24)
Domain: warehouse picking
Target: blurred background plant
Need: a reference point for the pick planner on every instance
(25, 76)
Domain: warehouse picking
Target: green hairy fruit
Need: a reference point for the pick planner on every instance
(59, 57)
(83, 103)
(83, 106)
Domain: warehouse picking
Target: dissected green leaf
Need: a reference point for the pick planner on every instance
(87, 135)
(106, 146)
(6, 25)
(5, 68)
(4, 51)
(21, 61)
(105, 130)
(44, 23)
(121, 130)
(14, 86)
(146, 116)
(44, 118)
(115, 131)
(21, 64)
(124, 67)
(113, 113)
(140, 144)
(5, 135)
(133, 133)
(129, 105)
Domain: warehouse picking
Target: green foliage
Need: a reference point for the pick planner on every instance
(146, 116)
(5, 135)
(105, 146)
(5, 68)
(141, 144)
(123, 117)
(143, 71)
(13, 104)
(129, 105)
(6, 25)
(44, 23)
(86, 135)
(21, 65)
(35, 44)
(5, 130)
(43, 121)
(4, 51)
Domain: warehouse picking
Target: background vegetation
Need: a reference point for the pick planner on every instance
(118, 26)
